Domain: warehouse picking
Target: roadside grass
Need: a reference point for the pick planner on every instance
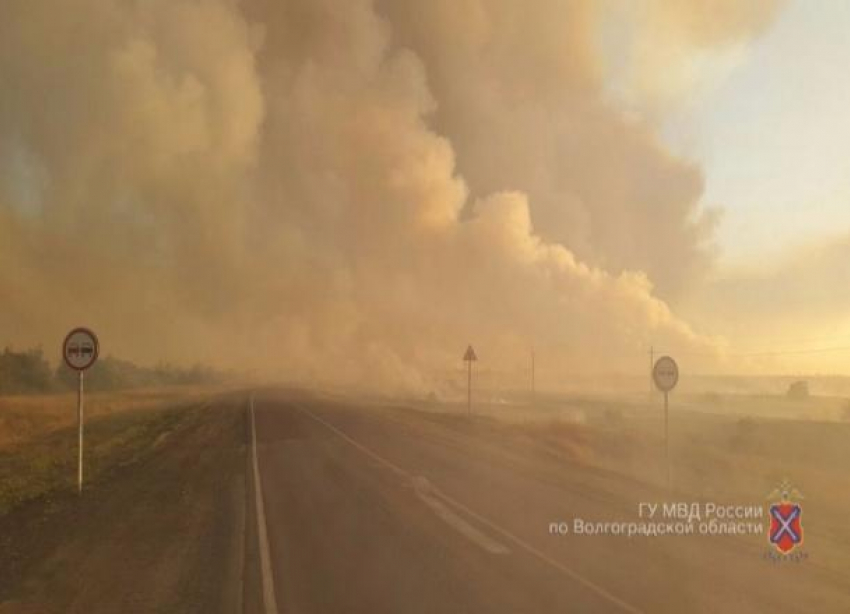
(41, 459)
(723, 448)
(24, 417)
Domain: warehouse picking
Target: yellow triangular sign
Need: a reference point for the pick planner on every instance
(470, 354)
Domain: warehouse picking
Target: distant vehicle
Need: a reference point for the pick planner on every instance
(798, 390)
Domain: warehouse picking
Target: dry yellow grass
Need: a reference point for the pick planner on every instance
(38, 439)
(25, 417)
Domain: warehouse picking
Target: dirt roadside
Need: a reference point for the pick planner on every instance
(165, 533)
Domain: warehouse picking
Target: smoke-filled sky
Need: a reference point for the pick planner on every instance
(352, 191)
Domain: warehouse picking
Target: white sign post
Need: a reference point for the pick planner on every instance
(665, 374)
(469, 358)
(80, 351)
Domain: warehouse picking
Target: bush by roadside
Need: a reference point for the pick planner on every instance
(29, 372)
(24, 372)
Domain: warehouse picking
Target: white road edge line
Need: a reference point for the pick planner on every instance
(573, 575)
(589, 584)
(269, 601)
(376, 457)
(460, 525)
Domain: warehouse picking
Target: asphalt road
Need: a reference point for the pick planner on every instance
(374, 508)
(382, 509)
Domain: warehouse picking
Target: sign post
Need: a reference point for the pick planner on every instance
(665, 374)
(80, 351)
(651, 369)
(469, 358)
(533, 386)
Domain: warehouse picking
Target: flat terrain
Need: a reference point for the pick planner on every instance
(157, 531)
(26, 417)
(381, 507)
(391, 510)
(38, 436)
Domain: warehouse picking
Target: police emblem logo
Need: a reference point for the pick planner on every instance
(786, 518)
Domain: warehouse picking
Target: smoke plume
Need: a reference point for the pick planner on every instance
(337, 191)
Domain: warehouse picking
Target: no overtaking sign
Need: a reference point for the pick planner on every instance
(80, 351)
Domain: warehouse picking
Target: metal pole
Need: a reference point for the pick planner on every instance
(533, 390)
(469, 389)
(651, 367)
(80, 428)
(667, 438)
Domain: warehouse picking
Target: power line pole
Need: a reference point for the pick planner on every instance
(651, 367)
(469, 357)
(533, 389)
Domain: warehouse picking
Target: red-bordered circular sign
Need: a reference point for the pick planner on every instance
(80, 349)
(665, 373)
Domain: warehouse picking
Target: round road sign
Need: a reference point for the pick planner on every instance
(665, 374)
(80, 349)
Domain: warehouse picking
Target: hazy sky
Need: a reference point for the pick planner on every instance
(771, 132)
(773, 137)
(353, 191)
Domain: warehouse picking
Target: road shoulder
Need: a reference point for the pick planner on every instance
(165, 533)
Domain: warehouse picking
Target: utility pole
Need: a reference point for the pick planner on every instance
(533, 389)
(469, 357)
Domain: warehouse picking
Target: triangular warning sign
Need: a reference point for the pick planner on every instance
(470, 354)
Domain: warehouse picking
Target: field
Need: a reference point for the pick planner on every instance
(724, 448)
(38, 436)
(351, 487)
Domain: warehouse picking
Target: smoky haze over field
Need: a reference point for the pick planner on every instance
(352, 191)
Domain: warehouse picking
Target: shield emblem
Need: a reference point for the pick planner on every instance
(786, 527)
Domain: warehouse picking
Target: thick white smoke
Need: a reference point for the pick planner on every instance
(333, 191)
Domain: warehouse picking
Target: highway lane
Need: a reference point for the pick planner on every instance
(375, 509)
